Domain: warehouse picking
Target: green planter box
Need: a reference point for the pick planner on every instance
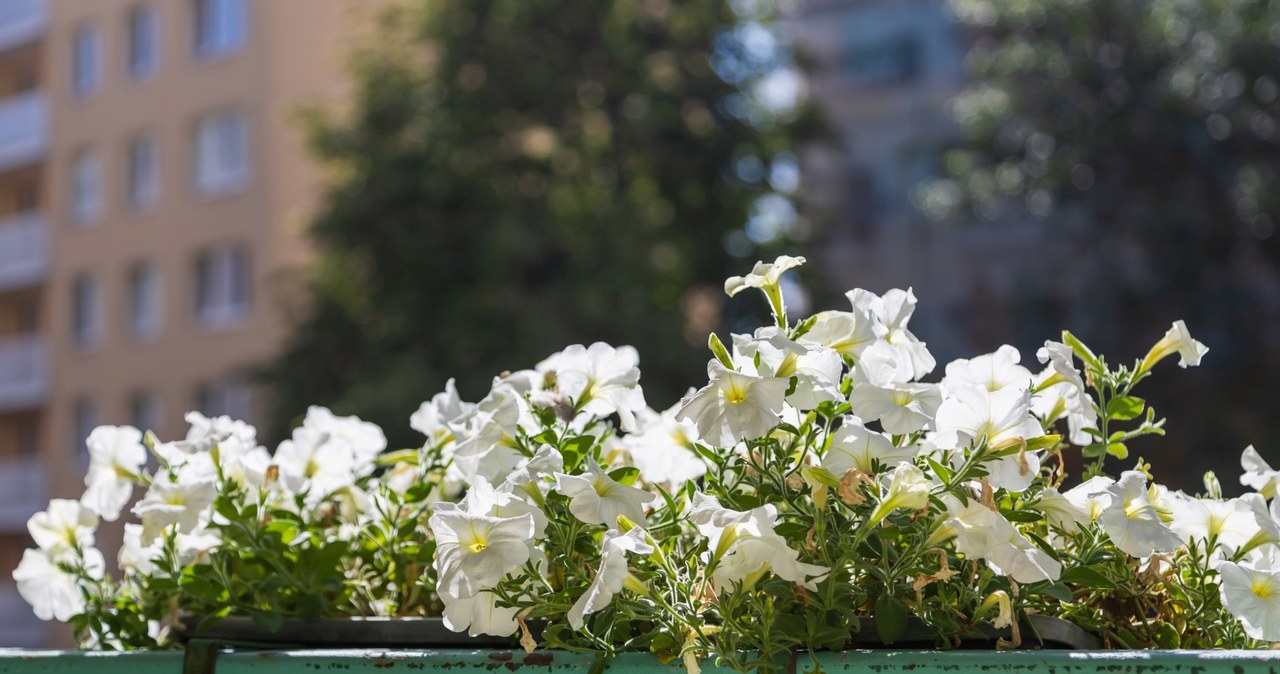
(372, 661)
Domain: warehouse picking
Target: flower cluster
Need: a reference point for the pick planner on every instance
(818, 478)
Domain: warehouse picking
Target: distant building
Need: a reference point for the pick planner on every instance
(882, 71)
(153, 185)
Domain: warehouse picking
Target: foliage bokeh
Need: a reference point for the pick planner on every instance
(1143, 135)
(512, 176)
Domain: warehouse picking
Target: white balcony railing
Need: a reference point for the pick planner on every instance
(23, 128)
(19, 627)
(24, 373)
(24, 251)
(21, 21)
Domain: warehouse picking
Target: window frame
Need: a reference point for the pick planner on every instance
(212, 26)
(142, 199)
(222, 282)
(86, 311)
(217, 137)
(146, 296)
(86, 60)
(86, 202)
(137, 69)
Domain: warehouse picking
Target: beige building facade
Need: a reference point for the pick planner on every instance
(153, 188)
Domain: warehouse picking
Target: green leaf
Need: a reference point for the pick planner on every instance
(1083, 575)
(409, 456)
(940, 470)
(1094, 450)
(626, 475)
(1043, 442)
(1059, 591)
(1125, 408)
(718, 350)
(1118, 450)
(891, 618)
(1022, 515)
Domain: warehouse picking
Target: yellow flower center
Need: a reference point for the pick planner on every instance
(477, 547)
(902, 398)
(736, 393)
(1261, 587)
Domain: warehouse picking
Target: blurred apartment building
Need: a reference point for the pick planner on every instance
(153, 184)
(882, 72)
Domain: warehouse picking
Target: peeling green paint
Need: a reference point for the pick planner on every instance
(201, 660)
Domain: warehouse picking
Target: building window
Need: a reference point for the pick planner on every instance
(890, 60)
(86, 61)
(221, 27)
(231, 398)
(144, 412)
(86, 187)
(222, 287)
(86, 311)
(28, 198)
(144, 42)
(144, 172)
(221, 153)
(146, 297)
(84, 420)
(28, 317)
(28, 436)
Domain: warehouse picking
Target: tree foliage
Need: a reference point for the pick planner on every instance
(512, 176)
(1144, 135)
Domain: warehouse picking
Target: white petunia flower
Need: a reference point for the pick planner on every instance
(601, 380)
(1252, 595)
(993, 371)
(745, 543)
(765, 275)
(1062, 512)
(1230, 523)
(434, 417)
(484, 436)
(596, 498)
(982, 533)
(1258, 474)
(908, 489)
(816, 369)
(363, 439)
(1091, 495)
(612, 574)
(479, 614)
(663, 449)
(893, 311)
(54, 592)
(970, 414)
(166, 503)
(853, 445)
(1132, 521)
(204, 433)
(502, 502)
(65, 525)
(1177, 340)
(321, 463)
(136, 557)
(473, 551)
(535, 470)
(879, 394)
(848, 333)
(734, 406)
(116, 458)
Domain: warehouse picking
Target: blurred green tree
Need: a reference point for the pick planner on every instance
(513, 176)
(1144, 134)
